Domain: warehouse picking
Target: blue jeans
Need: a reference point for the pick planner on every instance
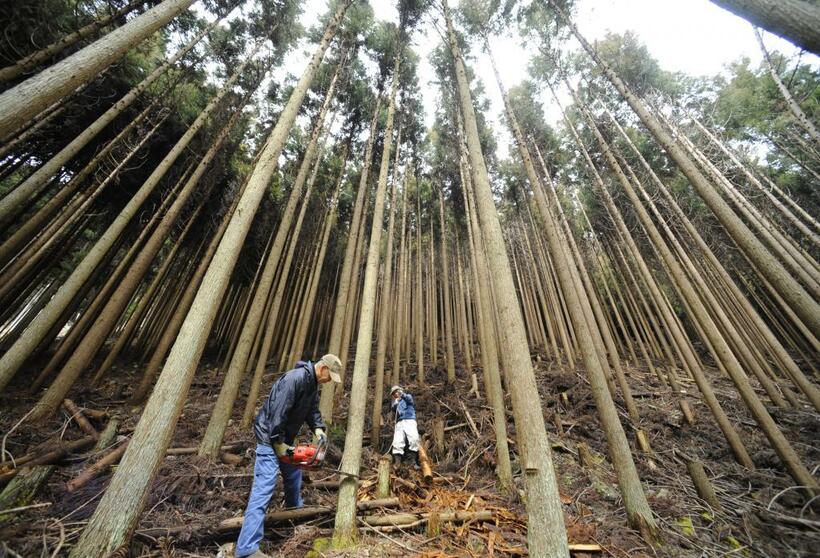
(265, 470)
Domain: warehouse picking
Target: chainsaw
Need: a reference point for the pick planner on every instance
(311, 457)
(306, 456)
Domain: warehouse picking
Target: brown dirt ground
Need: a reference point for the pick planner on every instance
(763, 514)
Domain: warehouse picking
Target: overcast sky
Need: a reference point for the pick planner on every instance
(692, 36)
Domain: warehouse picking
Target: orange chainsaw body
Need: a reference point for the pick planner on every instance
(306, 456)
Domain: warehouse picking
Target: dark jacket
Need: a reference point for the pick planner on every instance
(404, 407)
(293, 400)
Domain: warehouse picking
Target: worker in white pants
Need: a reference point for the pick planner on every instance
(407, 431)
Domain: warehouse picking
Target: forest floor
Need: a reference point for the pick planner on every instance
(762, 515)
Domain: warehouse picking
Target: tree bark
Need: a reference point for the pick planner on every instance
(797, 21)
(546, 534)
(345, 531)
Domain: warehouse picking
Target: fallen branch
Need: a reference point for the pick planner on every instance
(470, 420)
(77, 414)
(97, 468)
(95, 414)
(454, 426)
(47, 458)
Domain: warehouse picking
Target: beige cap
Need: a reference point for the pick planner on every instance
(334, 365)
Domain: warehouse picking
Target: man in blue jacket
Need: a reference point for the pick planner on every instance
(407, 431)
(293, 400)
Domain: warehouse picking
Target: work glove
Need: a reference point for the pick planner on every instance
(320, 435)
(283, 450)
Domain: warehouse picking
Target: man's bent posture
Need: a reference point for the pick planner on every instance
(293, 400)
(406, 431)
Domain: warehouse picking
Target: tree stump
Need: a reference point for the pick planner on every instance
(438, 436)
(383, 490)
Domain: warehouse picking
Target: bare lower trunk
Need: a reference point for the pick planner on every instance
(345, 526)
(545, 534)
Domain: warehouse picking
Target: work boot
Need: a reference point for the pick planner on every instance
(396, 459)
(413, 458)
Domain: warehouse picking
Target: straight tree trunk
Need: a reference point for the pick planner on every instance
(340, 310)
(637, 508)
(387, 303)
(716, 338)
(487, 330)
(445, 264)
(345, 530)
(212, 439)
(117, 302)
(546, 534)
(316, 271)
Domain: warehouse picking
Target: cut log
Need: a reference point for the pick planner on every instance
(230, 458)
(234, 524)
(97, 468)
(426, 466)
(77, 414)
(378, 503)
(411, 518)
(95, 414)
(23, 488)
(585, 548)
(193, 450)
